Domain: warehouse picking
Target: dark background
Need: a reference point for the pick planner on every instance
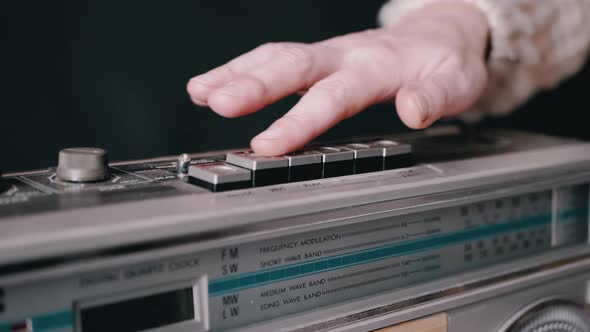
(112, 74)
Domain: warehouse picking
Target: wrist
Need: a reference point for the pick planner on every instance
(472, 22)
(441, 18)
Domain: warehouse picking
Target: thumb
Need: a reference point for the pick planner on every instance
(421, 103)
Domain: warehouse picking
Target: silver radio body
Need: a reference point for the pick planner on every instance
(486, 233)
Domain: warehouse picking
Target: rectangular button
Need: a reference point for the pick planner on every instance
(395, 154)
(220, 176)
(337, 161)
(305, 165)
(367, 158)
(266, 171)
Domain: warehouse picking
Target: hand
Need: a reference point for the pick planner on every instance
(431, 63)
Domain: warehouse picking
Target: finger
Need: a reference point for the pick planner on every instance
(353, 39)
(200, 87)
(419, 104)
(294, 67)
(329, 101)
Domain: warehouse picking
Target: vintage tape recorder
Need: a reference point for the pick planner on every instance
(433, 231)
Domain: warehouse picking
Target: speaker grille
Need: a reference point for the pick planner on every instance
(553, 317)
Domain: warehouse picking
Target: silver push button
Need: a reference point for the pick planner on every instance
(255, 162)
(367, 158)
(266, 171)
(362, 150)
(391, 148)
(305, 165)
(395, 154)
(220, 176)
(337, 161)
(83, 165)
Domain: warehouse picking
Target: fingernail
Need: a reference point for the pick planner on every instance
(422, 107)
(198, 101)
(271, 133)
(232, 89)
(206, 79)
(197, 86)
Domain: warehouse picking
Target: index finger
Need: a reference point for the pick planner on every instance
(329, 101)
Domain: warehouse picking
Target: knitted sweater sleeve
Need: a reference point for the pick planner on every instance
(535, 45)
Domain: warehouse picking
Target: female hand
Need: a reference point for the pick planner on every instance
(431, 63)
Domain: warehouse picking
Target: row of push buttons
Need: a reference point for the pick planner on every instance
(246, 169)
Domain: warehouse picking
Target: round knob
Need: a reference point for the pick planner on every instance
(83, 165)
